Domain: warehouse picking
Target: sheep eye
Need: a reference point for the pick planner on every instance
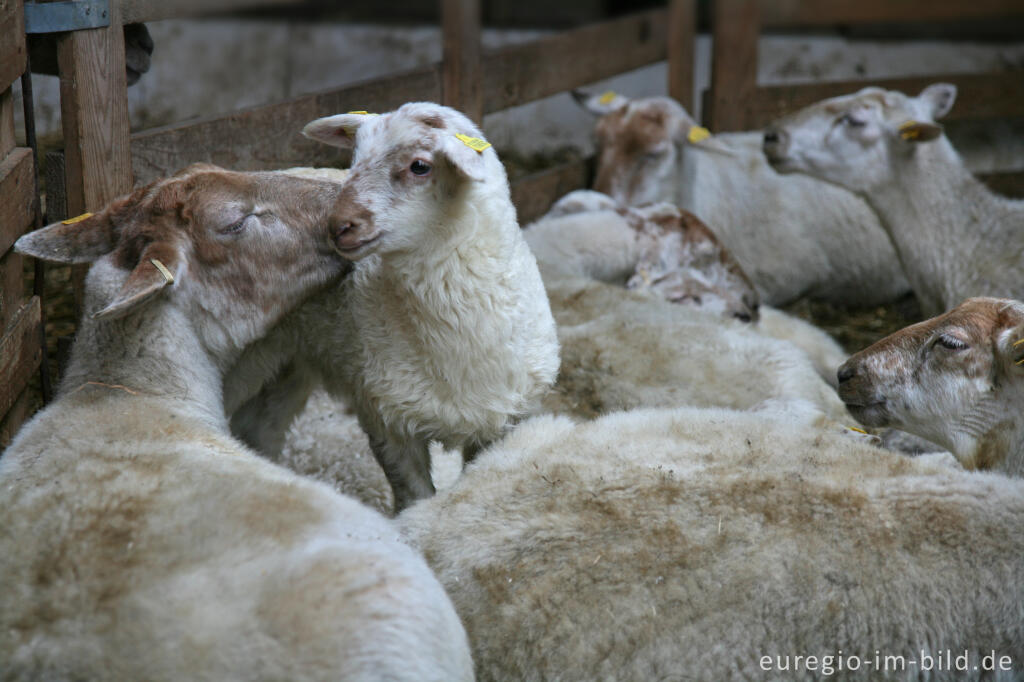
(950, 342)
(236, 227)
(848, 119)
(419, 167)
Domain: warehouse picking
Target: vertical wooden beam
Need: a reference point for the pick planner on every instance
(737, 25)
(682, 28)
(460, 57)
(94, 116)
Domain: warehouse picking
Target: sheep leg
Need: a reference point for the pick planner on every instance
(407, 467)
(263, 420)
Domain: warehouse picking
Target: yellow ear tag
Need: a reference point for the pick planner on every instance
(854, 428)
(362, 113)
(1018, 342)
(698, 133)
(76, 219)
(163, 270)
(908, 132)
(474, 143)
(607, 97)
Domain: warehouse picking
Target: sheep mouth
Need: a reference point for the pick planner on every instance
(357, 248)
(870, 414)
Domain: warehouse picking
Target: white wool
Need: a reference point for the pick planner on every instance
(822, 349)
(651, 544)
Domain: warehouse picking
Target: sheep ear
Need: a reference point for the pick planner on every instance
(337, 131)
(160, 265)
(602, 104)
(1011, 347)
(939, 98)
(919, 131)
(466, 154)
(77, 240)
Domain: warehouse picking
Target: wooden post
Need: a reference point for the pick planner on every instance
(737, 25)
(460, 57)
(94, 116)
(682, 27)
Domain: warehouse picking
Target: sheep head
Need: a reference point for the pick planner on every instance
(239, 249)
(410, 171)
(853, 141)
(956, 379)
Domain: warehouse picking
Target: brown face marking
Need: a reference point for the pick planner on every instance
(624, 139)
(433, 121)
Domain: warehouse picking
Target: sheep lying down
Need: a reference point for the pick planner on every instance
(692, 544)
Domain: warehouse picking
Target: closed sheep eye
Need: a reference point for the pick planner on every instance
(849, 120)
(237, 226)
(950, 342)
(419, 167)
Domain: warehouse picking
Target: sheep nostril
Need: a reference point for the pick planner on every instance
(771, 137)
(845, 373)
(338, 229)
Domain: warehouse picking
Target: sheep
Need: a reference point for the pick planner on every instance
(587, 234)
(955, 238)
(138, 539)
(657, 248)
(793, 236)
(955, 380)
(442, 331)
(679, 544)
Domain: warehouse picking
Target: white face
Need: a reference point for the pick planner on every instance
(856, 141)
(409, 172)
(949, 379)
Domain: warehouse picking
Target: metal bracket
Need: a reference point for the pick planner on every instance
(69, 15)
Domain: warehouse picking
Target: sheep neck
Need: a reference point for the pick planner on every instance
(990, 435)
(939, 219)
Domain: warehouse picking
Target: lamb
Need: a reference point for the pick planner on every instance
(955, 238)
(442, 331)
(955, 380)
(650, 544)
(793, 236)
(138, 540)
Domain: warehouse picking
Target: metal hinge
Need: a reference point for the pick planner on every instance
(69, 15)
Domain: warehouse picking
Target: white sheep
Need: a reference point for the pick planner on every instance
(793, 236)
(956, 239)
(138, 540)
(680, 544)
(442, 331)
(955, 379)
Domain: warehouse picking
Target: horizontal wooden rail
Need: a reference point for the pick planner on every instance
(134, 11)
(989, 95)
(268, 136)
(798, 13)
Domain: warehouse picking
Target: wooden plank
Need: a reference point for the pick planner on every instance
(534, 194)
(682, 28)
(737, 25)
(23, 407)
(523, 73)
(1007, 183)
(17, 189)
(796, 13)
(269, 136)
(134, 11)
(979, 96)
(7, 141)
(20, 353)
(460, 57)
(12, 287)
(13, 54)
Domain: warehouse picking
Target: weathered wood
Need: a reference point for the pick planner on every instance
(94, 117)
(460, 57)
(7, 141)
(979, 96)
(23, 407)
(12, 287)
(17, 189)
(523, 73)
(795, 13)
(20, 353)
(13, 54)
(682, 27)
(268, 137)
(534, 194)
(737, 25)
(1007, 183)
(133, 11)
(56, 200)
